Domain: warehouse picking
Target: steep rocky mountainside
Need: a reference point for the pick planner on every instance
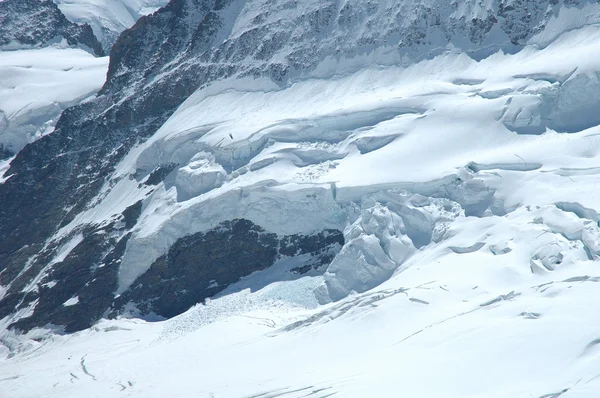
(63, 236)
(37, 23)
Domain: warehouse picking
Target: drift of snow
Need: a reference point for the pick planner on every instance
(71, 301)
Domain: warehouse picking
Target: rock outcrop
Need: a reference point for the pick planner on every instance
(37, 23)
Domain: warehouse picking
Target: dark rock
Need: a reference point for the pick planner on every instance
(158, 175)
(131, 214)
(5, 153)
(201, 265)
(86, 273)
(38, 23)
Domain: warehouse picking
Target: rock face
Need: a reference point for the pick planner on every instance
(154, 67)
(201, 265)
(37, 23)
(196, 267)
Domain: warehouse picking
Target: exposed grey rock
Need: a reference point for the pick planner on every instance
(4, 152)
(38, 23)
(203, 264)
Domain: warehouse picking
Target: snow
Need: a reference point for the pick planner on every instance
(4, 166)
(467, 193)
(63, 251)
(108, 18)
(71, 301)
(485, 332)
(37, 85)
(498, 125)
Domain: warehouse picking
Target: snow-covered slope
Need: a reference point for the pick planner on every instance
(36, 85)
(369, 202)
(297, 159)
(47, 64)
(450, 325)
(108, 18)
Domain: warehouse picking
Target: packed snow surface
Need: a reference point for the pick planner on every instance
(467, 192)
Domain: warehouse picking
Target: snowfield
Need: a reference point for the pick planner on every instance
(450, 325)
(36, 85)
(468, 193)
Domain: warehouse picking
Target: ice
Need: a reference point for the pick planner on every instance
(522, 114)
(574, 107)
(376, 245)
(202, 174)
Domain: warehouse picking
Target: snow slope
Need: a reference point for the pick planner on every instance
(450, 325)
(467, 192)
(37, 85)
(108, 18)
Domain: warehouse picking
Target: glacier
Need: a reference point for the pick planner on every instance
(274, 155)
(462, 174)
